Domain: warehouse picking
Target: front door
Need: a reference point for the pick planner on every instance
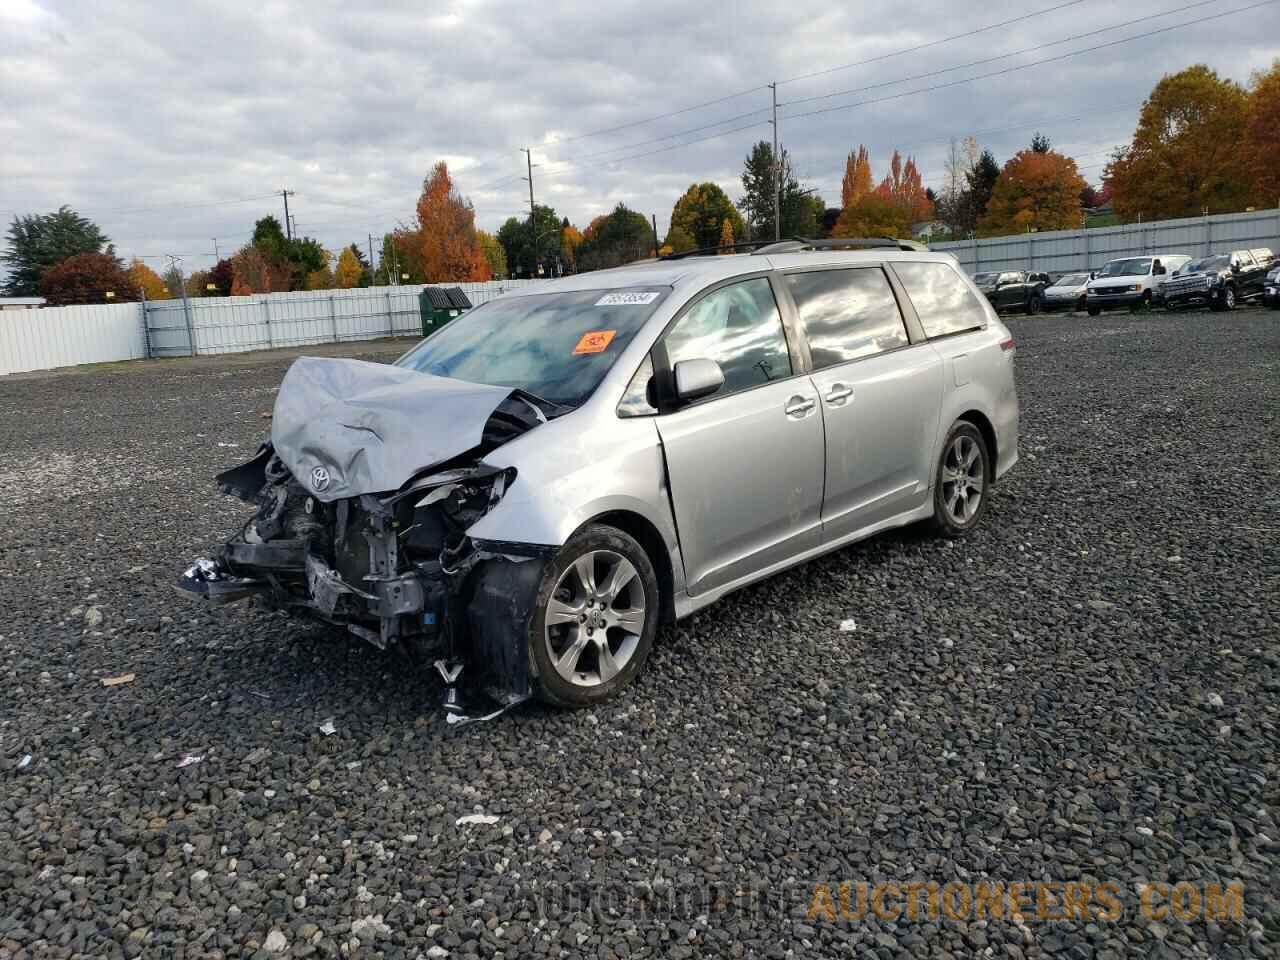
(880, 396)
(745, 464)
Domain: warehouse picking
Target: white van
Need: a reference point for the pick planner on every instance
(1132, 282)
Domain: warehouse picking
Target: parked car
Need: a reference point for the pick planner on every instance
(1130, 282)
(537, 486)
(1271, 291)
(1219, 281)
(1067, 292)
(1014, 289)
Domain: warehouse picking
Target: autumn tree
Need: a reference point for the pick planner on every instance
(621, 236)
(726, 236)
(253, 272)
(445, 238)
(1260, 150)
(198, 284)
(857, 177)
(494, 255)
(702, 211)
(1185, 154)
(904, 188)
(147, 281)
(38, 242)
(1035, 191)
(349, 270)
(678, 240)
(87, 278)
(570, 240)
(223, 276)
(875, 215)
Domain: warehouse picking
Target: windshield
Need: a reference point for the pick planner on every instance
(1071, 280)
(985, 277)
(557, 346)
(1207, 264)
(1133, 267)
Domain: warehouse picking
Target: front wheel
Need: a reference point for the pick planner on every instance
(1227, 301)
(1033, 306)
(1094, 311)
(1082, 304)
(963, 478)
(597, 615)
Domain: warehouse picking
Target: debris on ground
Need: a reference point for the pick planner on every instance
(327, 728)
(118, 681)
(25, 762)
(190, 759)
(481, 818)
(848, 626)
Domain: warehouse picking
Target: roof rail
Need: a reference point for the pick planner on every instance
(721, 248)
(804, 244)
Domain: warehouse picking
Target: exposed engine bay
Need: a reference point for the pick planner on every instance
(348, 531)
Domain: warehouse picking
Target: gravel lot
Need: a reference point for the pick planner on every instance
(1087, 689)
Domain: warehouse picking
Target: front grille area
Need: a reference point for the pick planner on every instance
(1186, 285)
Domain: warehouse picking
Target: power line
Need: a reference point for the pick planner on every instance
(1034, 63)
(1000, 56)
(931, 43)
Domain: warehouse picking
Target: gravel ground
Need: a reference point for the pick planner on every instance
(1085, 690)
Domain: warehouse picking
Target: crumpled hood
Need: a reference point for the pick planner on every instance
(350, 427)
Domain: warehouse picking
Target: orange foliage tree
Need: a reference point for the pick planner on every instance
(1185, 156)
(904, 188)
(87, 278)
(254, 273)
(1261, 148)
(1035, 191)
(445, 239)
(147, 281)
(857, 177)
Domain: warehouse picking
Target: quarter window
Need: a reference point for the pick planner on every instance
(847, 314)
(739, 327)
(943, 301)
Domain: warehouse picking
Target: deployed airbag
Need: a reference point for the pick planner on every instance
(349, 427)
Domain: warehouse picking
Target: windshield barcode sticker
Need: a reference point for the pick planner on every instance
(622, 298)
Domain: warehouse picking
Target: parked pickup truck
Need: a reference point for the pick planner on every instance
(1014, 289)
(1271, 294)
(1219, 281)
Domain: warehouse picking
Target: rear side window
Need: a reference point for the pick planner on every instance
(739, 327)
(942, 300)
(847, 314)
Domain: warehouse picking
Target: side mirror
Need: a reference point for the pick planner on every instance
(696, 379)
(1159, 271)
(1235, 268)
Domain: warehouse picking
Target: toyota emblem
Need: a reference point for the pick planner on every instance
(319, 479)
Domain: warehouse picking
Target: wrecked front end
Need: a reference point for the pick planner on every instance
(394, 567)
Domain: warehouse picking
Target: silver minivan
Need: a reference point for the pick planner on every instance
(535, 488)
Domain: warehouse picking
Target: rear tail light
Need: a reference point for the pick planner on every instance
(1007, 345)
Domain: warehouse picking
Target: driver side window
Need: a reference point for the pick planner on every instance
(739, 327)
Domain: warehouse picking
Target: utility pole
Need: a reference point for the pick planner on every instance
(216, 257)
(653, 218)
(777, 170)
(186, 304)
(287, 228)
(294, 223)
(533, 221)
(371, 264)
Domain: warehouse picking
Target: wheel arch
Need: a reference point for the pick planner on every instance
(642, 530)
(983, 423)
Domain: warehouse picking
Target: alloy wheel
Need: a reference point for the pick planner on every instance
(595, 618)
(963, 478)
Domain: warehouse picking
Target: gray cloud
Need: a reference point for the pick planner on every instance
(132, 105)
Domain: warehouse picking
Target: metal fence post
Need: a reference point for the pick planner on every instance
(191, 330)
(1208, 233)
(391, 317)
(333, 319)
(266, 309)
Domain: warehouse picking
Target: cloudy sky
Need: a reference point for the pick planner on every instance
(171, 124)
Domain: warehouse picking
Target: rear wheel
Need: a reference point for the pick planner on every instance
(962, 482)
(1228, 299)
(1143, 304)
(597, 616)
(1034, 305)
(1094, 311)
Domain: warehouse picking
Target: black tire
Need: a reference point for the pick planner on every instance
(1082, 304)
(1227, 302)
(550, 685)
(1033, 305)
(1093, 311)
(1142, 305)
(945, 520)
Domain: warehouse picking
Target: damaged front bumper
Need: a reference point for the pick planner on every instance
(395, 570)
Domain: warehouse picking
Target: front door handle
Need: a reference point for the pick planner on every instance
(840, 392)
(799, 407)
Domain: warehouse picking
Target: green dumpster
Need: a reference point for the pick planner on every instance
(439, 305)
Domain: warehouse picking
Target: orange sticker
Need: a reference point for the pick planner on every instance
(594, 342)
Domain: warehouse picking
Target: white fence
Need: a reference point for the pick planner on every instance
(69, 336)
(1079, 250)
